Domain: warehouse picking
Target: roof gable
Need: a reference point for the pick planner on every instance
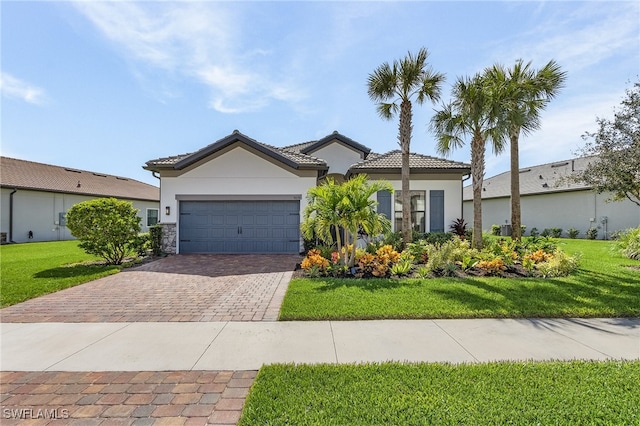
(22, 174)
(309, 148)
(290, 159)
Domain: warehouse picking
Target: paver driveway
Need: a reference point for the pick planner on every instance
(175, 288)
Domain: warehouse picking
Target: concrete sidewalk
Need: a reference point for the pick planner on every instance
(249, 345)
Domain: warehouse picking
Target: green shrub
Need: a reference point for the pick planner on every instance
(495, 230)
(534, 232)
(560, 265)
(628, 242)
(438, 238)
(394, 239)
(155, 239)
(573, 233)
(546, 232)
(556, 232)
(403, 267)
(592, 233)
(105, 227)
(141, 244)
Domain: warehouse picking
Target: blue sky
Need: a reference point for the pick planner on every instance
(107, 86)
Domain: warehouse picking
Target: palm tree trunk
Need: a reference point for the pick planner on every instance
(477, 172)
(516, 219)
(405, 174)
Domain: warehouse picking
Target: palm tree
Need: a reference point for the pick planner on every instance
(471, 113)
(522, 93)
(334, 207)
(359, 210)
(390, 85)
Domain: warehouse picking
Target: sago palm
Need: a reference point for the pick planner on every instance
(470, 114)
(392, 87)
(522, 93)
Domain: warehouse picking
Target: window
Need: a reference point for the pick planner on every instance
(417, 210)
(152, 217)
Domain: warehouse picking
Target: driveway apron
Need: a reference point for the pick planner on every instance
(188, 288)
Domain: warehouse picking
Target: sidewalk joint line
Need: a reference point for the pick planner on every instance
(455, 340)
(208, 346)
(333, 339)
(88, 346)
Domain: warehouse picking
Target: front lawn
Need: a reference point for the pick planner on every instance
(515, 393)
(605, 285)
(32, 269)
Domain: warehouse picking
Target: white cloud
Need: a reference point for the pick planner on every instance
(12, 87)
(199, 40)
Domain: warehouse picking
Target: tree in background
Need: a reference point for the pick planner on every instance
(106, 227)
(472, 113)
(522, 93)
(390, 85)
(615, 148)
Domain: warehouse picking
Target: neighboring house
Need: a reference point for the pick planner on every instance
(549, 201)
(36, 197)
(238, 195)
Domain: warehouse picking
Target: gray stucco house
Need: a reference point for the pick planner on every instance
(239, 195)
(35, 198)
(548, 200)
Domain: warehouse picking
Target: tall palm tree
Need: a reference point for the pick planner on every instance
(522, 94)
(471, 113)
(392, 87)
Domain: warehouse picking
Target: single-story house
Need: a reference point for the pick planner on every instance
(549, 200)
(239, 195)
(36, 197)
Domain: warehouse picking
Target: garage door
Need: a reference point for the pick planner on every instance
(240, 226)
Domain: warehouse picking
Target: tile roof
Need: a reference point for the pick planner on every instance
(392, 160)
(23, 174)
(290, 157)
(541, 179)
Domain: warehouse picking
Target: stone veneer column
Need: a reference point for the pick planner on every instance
(169, 238)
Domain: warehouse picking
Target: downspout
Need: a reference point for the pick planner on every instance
(11, 215)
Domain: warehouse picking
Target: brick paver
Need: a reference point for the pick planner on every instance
(170, 397)
(190, 288)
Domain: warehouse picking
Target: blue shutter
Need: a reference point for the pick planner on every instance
(384, 204)
(436, 211)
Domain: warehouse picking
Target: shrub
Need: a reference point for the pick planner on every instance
(546, 232)
(492, 267)
(572, 233)
(534, 232)
(314, 264)
(141, 243)
(629, 243)
(559, 265)
(459, 227)
(592, 233)
(105, 227)
(155, 239)
(393, 239)
(437, 238)
(495, 230)
(556, 232)
(401, 268)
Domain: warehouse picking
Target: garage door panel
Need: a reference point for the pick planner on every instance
(239, 226)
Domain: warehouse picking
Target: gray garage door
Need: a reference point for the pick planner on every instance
(240, 226)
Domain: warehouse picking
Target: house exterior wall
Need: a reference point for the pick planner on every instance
(238, 174)
(450, 184)
(576, 209)
(38, 212)
(338, 157)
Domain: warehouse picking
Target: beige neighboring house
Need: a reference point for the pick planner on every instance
(239, 195)
(36, 197)
(549, 201)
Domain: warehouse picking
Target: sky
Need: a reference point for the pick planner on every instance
(106, 86)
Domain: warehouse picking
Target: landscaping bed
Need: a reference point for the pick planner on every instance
(606, 284)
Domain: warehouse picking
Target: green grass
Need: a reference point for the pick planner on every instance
(604, 286)
(525, 393)
(33, 269)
